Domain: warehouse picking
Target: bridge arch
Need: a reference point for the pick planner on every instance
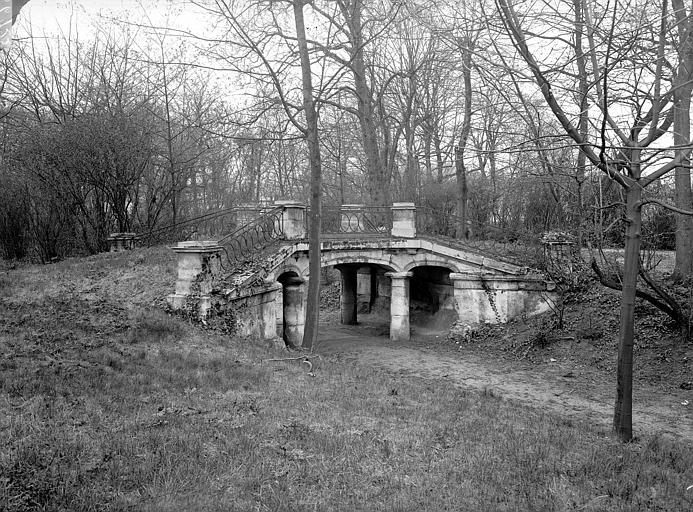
(289, 269)
(334, 260)
(433, 260)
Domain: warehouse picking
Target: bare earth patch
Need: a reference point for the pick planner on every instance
(562, 378)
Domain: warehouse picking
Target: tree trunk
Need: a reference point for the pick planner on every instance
(462, 192)
(583, 121)
(623, 409)
(437, 144)
(460, 169)
(683, 88)
(310, 334)
(378, 181)
(411, 171)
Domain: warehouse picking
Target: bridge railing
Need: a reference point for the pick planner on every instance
(245, 232)
(201, 227)
(355, 218)
(521, 247)
(255, 235)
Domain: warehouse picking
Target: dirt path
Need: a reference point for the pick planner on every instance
(575, 391)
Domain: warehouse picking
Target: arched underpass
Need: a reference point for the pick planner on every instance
(365, 295)
(364, 298)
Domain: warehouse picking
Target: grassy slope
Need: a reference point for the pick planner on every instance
(108, 403)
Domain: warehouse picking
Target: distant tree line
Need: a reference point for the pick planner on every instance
(112, 134)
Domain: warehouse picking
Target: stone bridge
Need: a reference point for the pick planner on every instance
(379, 270)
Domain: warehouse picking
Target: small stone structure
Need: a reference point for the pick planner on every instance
(559, 249)
(121, 242)
(374, 272)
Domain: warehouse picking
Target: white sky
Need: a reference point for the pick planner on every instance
(46, 16)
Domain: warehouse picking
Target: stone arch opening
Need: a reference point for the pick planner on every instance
(432, 303)
(362, 292)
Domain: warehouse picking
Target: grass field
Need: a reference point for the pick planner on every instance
(108, 403)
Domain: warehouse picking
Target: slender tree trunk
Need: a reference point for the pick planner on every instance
(437, 144)
(310, 335)
(428, 161)
(683, 88)
(623, 409)
(683, 268)
(462, 192)
(378, 179)
(460, 169)
(583, 121)
(410, 182)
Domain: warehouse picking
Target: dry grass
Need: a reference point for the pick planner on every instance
(106, 403)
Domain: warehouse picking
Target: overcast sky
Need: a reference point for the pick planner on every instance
(47, 15)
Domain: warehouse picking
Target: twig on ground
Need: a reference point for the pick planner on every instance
(304, 359)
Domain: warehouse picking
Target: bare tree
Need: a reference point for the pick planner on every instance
(630, 161)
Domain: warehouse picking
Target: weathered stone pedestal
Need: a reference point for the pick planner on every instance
(293, 219)
(118, 242)
(199, 263)
(399, 306)
(404, 220)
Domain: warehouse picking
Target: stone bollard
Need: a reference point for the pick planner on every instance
(199, 263)
(404, 220)
(118, 242)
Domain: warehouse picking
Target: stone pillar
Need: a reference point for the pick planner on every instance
(404, 220)
(293, 219)
(269, 312)
(351, 218)
(121, 242)
(279, 312)
(198, 263)
(294, 311)
(365, 289)
(348, 295)
(399, 305)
